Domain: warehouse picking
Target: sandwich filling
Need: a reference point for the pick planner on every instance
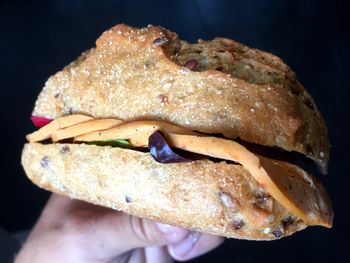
(286, 183)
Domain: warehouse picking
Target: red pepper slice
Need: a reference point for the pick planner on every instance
(40, 121)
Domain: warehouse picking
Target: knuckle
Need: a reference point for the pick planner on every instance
(145, 230)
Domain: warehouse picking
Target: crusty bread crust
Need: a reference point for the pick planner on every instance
(232, 89)
(217, 198)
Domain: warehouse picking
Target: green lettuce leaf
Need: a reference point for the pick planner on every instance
(113, 143)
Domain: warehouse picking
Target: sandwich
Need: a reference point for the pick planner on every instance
(212, 136)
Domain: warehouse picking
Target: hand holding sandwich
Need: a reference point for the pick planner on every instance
(74, 231)
(211, 136)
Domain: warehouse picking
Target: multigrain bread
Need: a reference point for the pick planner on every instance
(211, 88)
(217, 86)
(217, 198)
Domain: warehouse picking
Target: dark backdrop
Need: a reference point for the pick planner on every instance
(39, 37)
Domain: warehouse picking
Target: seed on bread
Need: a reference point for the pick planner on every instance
(128, 199)
(65, 149)
(191, 64)
(45, 161)
(238, 224)
(228, 202)
(160, 41)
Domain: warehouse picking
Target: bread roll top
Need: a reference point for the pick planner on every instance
(217, 86)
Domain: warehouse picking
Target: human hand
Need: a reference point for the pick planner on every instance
(74, 231)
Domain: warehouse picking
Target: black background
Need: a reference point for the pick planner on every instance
(38, 38)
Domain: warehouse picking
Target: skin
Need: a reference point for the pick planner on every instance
(74, 231)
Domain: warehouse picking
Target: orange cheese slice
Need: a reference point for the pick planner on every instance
(84, 127)
(129, 130)
(292, 187)
(297, 191)
(46, 131)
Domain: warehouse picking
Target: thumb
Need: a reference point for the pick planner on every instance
(104, 233)
(127, 232)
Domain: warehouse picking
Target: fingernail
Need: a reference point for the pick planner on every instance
(184, 247)
(166, 229)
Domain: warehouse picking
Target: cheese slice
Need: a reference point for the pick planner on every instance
(46, 131)
(286, 183)
(297, 191)
(129, 130)
(84, 127)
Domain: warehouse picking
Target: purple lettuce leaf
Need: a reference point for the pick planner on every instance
(162, 152)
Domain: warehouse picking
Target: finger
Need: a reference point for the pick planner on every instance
(121, 232)
(137, 256)
(105, 233)
(158, 254)
(194, 245)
